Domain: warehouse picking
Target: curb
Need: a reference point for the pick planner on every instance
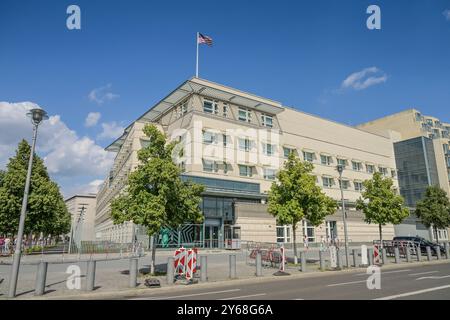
(148, 292)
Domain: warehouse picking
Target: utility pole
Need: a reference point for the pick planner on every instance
(340, 169)
(37, 115)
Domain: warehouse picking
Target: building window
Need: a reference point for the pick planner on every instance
(225, 168)
(325, 160)
(308, 231)
(209, 137)
(418, 116)
(283, 234)
(393, 173)
(244, 144)
(209, 166)
(225, 110)
(245, 115)
(182, 166)
(210, 106)
(287, 151)
(266, 121)
(344, 184)
(184, 108)
(342, 162)
(245, 171)
(383, 171)
(429, 122)
(446, 148)
(308, 156)
(268, 149)
(358, 186)
(269, 174)
(225, 140)
(370, 168)
(327, 182)
(357, 166)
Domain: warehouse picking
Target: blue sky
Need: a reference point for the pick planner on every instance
(130, 54)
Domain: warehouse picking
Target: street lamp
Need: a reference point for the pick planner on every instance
(37, 115)
(340, 168)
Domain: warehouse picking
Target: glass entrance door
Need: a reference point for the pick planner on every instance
(211, 236)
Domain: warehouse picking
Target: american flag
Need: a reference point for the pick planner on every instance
(204, 39)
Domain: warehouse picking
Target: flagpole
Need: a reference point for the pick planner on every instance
(196, 65)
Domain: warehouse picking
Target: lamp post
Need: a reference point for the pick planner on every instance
(37, 116)
(340, 169)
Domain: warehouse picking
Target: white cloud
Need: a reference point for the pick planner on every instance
(363, 79)
(110, 131)
(65, 154)
(92, 119)
(102, 94)
(446, 14)
(86, 188)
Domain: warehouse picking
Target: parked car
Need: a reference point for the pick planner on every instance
(423, 243)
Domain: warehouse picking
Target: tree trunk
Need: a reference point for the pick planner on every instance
(294, 237)
(153, 249)
(380, 229)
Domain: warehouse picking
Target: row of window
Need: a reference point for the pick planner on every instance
(244, 114)
(270, 174)
(327, 160)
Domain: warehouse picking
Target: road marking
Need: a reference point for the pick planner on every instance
(385, 272)
(420, 273)
(412, 293)
(344, 283)
(248, 296)
(187, 295)
(299, 299)
(433, 277)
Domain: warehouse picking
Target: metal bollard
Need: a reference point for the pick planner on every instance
(355, 257)
(133, 272)
(41, 278)
(303, 261)
(408, 254)
(203, 269)
(419, 253)
(90, 277)
(322, 260)
(447, 250)
(428, 253)
(170, 270)
(370, 256)
(232, 264)
(338, 259)
(258, 265)
(384, 255)
(438, 252)
(397, 255)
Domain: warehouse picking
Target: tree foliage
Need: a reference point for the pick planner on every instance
(295, 196)
(46, 210)
(155, 196)
(380, 202)
(434, 209)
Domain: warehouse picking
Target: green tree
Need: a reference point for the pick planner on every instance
(295, 196)
(46, 211)
(434, 209)
(380, 203)
(155, 196)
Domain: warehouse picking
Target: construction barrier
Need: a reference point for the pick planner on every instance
(376, 254)
(185, 262)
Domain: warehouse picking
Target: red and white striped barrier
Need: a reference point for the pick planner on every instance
(185, 262)
(376, 254)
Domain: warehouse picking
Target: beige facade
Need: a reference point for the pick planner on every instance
(235, 142)
(82, 209)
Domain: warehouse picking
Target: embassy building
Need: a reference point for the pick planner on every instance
(234, 143)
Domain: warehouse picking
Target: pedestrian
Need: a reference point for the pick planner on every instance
(305, 242)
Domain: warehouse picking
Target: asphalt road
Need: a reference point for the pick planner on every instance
(429, 281)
